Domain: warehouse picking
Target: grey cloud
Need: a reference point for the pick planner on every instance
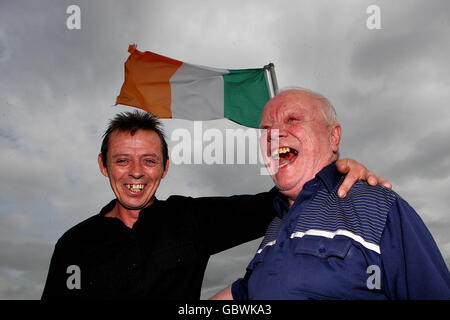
(23, 269)
(57, 88)
(428, 159)
(226, 267)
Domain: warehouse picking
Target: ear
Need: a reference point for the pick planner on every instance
(166, 169)
(335, 137)
(103, 169)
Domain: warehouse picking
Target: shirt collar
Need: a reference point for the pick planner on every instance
(329, 176)
(107, 208)
(112, 204)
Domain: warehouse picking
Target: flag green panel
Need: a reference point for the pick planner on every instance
(245, 95)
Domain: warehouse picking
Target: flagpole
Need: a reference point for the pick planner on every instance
(271, 79)
(274, 78)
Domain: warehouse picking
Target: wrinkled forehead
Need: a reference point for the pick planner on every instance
(286, 103)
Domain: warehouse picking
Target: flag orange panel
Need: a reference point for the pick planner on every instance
(146, 84)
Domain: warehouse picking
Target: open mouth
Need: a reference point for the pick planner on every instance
(135, 188)
(284, 156)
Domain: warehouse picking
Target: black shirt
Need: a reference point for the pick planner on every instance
(163, 256)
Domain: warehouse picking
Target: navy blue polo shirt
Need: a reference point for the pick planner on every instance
(369, 245)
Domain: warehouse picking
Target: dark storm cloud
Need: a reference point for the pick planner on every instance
(412, 34)
(57, 88)
(429, 158)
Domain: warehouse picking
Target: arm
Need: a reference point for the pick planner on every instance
(356, 171)
(238, 290)
(413, 267)
(54, 285)
(225, 294)
(225, 222)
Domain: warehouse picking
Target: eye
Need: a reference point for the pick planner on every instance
(121, 161)
(150, 161)
(293, 119)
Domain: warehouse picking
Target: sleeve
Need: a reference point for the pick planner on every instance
(413, 267)
(54, 285)
(239, 289)
(225, 222)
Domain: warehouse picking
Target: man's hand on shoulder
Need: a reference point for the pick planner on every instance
(356, 171)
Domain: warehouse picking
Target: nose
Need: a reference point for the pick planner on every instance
(136, 171)
(272, 137)
(277, 131)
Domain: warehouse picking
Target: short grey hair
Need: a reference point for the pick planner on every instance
(327, 109)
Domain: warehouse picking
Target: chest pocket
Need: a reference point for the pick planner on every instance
(322, 247)
(324, 268)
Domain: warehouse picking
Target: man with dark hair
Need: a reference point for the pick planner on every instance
(131, 123)
(142, 247)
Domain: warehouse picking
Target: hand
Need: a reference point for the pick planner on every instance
(356, 171)
(225, 294)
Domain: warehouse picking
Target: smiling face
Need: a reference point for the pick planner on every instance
(299, 142)
(135, 167)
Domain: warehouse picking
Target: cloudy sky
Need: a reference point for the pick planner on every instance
(390, 87)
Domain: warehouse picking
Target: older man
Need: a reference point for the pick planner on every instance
(370, 245)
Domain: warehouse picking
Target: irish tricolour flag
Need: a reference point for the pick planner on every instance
(169, 88)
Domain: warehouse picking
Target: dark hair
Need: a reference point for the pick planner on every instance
(132, 122)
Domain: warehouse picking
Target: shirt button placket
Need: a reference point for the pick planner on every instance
(135, 252)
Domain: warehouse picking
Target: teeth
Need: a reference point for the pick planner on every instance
(135, 187)
(275, 153)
